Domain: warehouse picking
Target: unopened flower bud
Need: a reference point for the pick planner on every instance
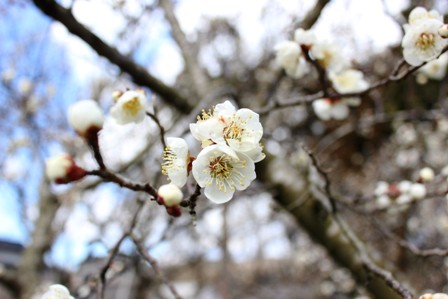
(62, 169)
(443, 31)
(170, 195)
(86, 117)
(426, 174)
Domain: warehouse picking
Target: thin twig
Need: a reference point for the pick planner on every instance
(161, 128)
(114, 251)
(369, 265)
(155, 266)
(111, 177)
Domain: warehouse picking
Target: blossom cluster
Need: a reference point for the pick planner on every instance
(403, 192)
(425, 36)
(294, 56)
(57, 291)
(87, 118)
(230, 141)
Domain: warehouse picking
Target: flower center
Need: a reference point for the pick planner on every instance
(132, 106)
(426, 41)
(220, 167)
(234, 130)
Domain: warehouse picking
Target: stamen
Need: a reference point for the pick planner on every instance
(132, 106)
(425, 41)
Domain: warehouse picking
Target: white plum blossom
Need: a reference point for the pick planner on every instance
(221, 171)
(400, 193)
(62, 169)
(305, 37)
(348, 81)
(130, 107)
(435, 69)
(8, 75)
(422, 42)
(338, 109)
(57, 291)
(176, 159)
(170, 195)
(426, 174)
(329, 56)
(239, 129)
(25, 86)
(381, 192)
(290, 57)
(417, 191)
(85, 116)
(434, 296)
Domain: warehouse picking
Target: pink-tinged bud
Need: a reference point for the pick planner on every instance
(443, 31)
(169, 195)
(174, 211)
(86, 118)
(62, 169)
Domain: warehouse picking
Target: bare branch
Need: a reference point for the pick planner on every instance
(155, 266)
(137, 72)
(197, 75)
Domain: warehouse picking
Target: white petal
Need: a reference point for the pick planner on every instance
(322, 108)
(213, 193)
(225, 108)
(248, 172)
(340, 111)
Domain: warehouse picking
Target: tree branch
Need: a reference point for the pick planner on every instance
(137, 72)
(317, 220)
(196, 73)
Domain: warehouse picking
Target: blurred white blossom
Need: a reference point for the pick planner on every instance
(130, 107)
(85, 115)
(57, 291)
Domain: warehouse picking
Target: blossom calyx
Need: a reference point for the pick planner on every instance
(62, 169)
(86, 118)
(169, 195)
